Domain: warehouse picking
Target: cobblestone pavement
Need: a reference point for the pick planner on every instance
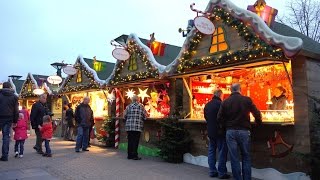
(98, 163)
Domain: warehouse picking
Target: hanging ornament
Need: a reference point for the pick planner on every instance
(111, 97)
(164, 92)
(130, 93)
(143, 94)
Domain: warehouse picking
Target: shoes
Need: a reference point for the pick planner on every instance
(77, 151)
(46, 155)
(214, 175)
(85, 149)
(21, 156)
(40, 152)
(3, 159)
(226, 176)
(129, 158)
(16, 154)
(136, 158)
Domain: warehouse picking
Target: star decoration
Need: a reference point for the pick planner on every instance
(111, 97)
(143, 94)
(130, 93)
(164, 92)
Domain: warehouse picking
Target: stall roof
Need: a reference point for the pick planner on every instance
(309, 45)
(170, 53)
(287, 39)
(35, 78)
(16, 85)
(107, 67)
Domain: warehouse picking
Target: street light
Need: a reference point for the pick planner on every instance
(58, 66)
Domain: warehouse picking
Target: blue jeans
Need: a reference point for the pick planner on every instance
(47, 145)
(239, 138)
(82, 138)
(19, 144)
(5, 138)
(221, 144)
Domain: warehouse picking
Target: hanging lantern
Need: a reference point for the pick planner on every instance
(266, 12)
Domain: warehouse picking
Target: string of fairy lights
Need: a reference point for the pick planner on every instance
(260, 48)
(150, 72)
(25, 92)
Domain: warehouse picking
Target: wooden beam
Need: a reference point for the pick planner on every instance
(187, 87)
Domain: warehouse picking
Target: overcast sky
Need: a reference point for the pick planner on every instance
(36, 33)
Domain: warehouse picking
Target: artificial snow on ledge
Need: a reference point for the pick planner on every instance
(266, 173)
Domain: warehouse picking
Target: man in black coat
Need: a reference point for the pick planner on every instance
(217, 138)
(234, 114)
(38, 110)
(70, 123)
(84, 119)
(9, 114)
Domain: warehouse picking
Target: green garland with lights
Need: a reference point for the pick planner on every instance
(24, 90)
(81, 87)
(150, 73)
(260, 48)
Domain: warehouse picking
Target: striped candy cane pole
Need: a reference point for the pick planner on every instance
(116, 144)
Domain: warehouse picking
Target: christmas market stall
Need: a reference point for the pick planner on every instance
(16, 85)
(137, 72)
(275, 65)
(84, 79)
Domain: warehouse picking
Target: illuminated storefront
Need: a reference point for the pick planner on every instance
(87, 83)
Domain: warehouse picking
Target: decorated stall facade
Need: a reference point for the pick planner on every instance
(273, 65)
(139, 74)
(86, 81)
(16, 85)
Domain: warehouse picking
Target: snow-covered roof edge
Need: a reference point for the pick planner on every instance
(95, 75)
(290, 45)
(173, 65)
(32, 79)
(88, 68)
(47, 88)
(145, 49)
(13, 86)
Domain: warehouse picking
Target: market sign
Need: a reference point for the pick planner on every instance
(69, 70)
(54, 79)
(38, 91)
(120, 54)
(204, 25)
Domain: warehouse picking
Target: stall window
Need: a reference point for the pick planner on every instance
(29, 87)
(79, 76)
(133, 62)
(218, 41)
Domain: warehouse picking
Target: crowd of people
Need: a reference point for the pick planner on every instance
(13, 119)
(228, 126)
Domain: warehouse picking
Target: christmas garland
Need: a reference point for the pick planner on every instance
(92, 84)
(150, 73)
(261, 48)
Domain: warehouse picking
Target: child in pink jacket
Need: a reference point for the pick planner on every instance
(20, 135)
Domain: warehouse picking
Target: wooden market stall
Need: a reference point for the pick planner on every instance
(87, 82)
(265, 57)
(141, 75)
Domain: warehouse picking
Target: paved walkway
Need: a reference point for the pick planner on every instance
(98, 163)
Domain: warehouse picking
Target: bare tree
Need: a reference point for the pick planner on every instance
(304, 16)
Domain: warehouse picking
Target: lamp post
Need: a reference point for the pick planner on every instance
(58, 66)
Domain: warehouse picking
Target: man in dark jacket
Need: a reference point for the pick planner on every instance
(216, 137)
(38, 110)
(84, 119)
(70, 123)
(234, 114)
(9, 114)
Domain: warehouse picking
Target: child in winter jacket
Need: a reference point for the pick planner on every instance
(20, 135)
(46, 134)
